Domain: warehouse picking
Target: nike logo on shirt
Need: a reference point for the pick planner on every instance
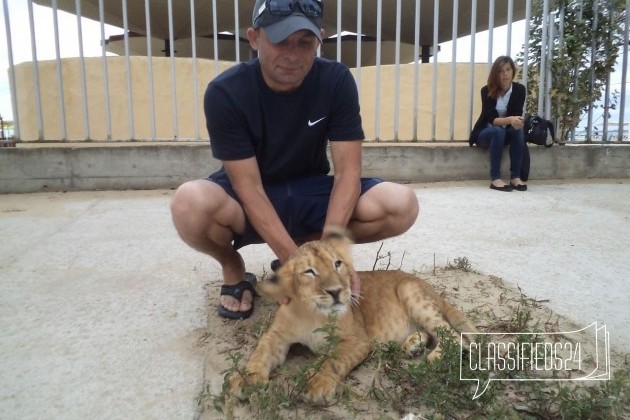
(312, 123)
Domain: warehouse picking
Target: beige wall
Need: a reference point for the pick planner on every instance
(118, 99)
(425, 91)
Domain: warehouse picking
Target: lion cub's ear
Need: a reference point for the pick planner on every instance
(340, 240)
(275, 287)
(337, 234)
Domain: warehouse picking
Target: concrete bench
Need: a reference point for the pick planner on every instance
(156, 165)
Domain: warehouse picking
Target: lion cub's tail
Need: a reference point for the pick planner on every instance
(458, 321)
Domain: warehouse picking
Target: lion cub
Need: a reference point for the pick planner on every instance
(394, 306)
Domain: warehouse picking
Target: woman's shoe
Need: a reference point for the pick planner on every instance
(506, 187)
(520, 187)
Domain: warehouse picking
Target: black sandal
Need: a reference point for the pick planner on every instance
(236, 291)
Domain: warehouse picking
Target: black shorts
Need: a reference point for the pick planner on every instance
(301, 204)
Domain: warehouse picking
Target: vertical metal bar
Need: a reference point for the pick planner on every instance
(128, 70)
(62, 105)
(550, 45)
(611, 13)
(359, 39)
(397, 75)
(451, 125)
(108, 117)
(215, 37)
(339, 14)
(195, 81)
(416, 71)
(38, 94)
(473, 30)
(589, 128)
(606, 108)
(510, 13)
(575, 82)
(490, 32)
(7, 28)
(528, 18)
(377, 107)
(561, 23)
(624, 70)
(237, 34)
(561, 16)
(147, 21)
(171, 39)
(86, 120)
(436, 19)
(543, 59)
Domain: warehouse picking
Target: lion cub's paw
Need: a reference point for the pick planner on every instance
(435, 354)
(321, 388)
(238, 383)
(416, 344)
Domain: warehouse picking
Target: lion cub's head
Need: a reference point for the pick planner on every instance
(317, 276)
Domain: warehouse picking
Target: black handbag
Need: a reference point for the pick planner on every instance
(538, 130)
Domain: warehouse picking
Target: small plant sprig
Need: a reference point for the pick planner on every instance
(459, 263)
(329, 351)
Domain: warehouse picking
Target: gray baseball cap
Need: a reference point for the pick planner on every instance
(281, 18)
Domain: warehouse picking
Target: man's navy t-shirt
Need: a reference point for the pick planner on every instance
(286, 132)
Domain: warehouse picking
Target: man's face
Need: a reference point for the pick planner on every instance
(285, 64)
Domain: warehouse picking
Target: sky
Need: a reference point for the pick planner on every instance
(67, 23)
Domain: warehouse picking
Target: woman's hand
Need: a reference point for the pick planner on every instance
(517, 122)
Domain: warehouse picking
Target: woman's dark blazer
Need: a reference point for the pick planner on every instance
(489, 109)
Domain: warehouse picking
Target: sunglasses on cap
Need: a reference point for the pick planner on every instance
(309, 8)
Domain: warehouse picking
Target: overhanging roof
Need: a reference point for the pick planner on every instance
(113, 15)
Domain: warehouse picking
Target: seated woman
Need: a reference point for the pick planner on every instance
(501, 123)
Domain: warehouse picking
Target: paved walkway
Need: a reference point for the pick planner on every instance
(102, 307)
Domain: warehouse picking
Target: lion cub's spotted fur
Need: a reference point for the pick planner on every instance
(394, 306)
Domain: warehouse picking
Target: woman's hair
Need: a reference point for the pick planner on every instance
(494, 78)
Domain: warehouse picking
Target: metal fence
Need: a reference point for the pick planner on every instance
(411, 89)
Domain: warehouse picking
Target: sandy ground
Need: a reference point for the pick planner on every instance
(488, 301)
(106, 314)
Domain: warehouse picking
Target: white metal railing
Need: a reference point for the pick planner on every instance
(399, 32)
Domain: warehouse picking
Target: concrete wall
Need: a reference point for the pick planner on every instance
(186, 88)
(152, 166)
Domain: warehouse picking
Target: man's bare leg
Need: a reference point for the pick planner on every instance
(206, 218)
(384, 211)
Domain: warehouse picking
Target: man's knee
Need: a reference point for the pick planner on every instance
(196, 203)
(183, 200)
(400, 205)
(410, 208)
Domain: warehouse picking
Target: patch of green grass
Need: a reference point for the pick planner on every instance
(283, 394)
(435, 389)
(433, 386)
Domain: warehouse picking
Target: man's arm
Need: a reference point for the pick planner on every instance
(245, 178)
(346, 159)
